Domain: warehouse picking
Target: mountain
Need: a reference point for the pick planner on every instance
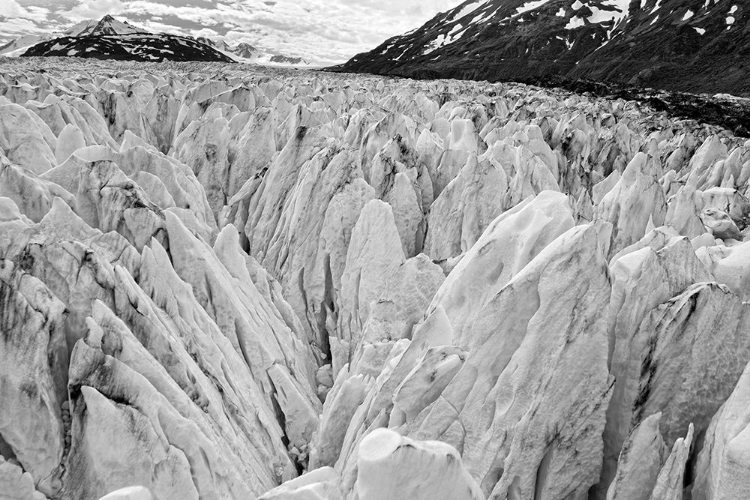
(147, 48)
(113, 39)
(244, 52)
(19, 45)
(686, 45)
(105, 26)
(292, 61)
(134, 43)
(220, 45)
(239, 52)
(108, 25)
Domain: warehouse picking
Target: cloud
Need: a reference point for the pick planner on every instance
(94, 9)
(11, 9)
(317, 30)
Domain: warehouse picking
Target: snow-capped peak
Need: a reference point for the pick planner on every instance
(79, 28)
(108, 25)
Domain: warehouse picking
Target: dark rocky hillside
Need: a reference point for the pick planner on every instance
(684, 45)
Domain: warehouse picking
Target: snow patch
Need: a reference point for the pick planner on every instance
(561, 12)
(620, 11)
(465, 11)
(577, 5)
(482, 17)
(575, 22)
(442, 40)
(733, 10)
(688, 15)
(700, 31)
(530, 6)
(730, 21)
(455, 29)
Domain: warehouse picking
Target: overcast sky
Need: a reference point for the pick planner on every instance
(319, 30)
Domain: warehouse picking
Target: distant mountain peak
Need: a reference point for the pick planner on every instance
(245, 52)
(108, 25)
(99, 39)
(110, 38)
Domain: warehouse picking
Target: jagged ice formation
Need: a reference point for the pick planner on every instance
(220, 283)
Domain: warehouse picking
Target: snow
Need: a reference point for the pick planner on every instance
(618, 10)
(432, 46)
(20, 44)
(600, 16)
(528, 6)
(656, 7)
(561, 12)
(575, 22)
(443, 39)
(654, 21)
(16, 52)
(482, 17)
(621, 5)
(700, 31)
(466, 10)
(122, 28)
(79, 28)
(733, 10)
(730, 21)
(688, 15)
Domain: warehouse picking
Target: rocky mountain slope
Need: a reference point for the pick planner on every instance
(113, 39)
(19, 45)
(105, 26)
(686, 45)
(121, 40)
(221, 282)
(246, 53)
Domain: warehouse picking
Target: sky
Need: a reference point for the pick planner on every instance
(320, 31)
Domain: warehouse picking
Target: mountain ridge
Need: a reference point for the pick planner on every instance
(110, 38)
(684, 45)
(73, 41)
